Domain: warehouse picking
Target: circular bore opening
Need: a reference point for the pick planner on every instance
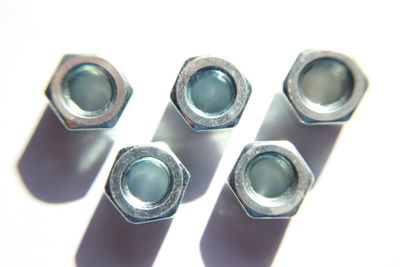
(88, 89)
(211, 91)
(326, 84)
(271, 175)
(148, 179)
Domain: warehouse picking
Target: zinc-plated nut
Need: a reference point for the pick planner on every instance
(210, 93)
(324, 87)
(137, 184)
(270, 179)
(87, 92)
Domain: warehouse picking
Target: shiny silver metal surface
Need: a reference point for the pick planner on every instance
(74, 117)
(341, 110)
(258, 206)
(133, 209)
(202, 121)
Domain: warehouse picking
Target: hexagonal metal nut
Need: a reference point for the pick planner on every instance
(257, 205)
(73, 116)
(195, 117)
(329, 106)
(133, 209)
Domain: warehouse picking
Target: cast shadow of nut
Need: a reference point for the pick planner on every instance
(200, 152)
(231, 237)
(314, 142)
(59, 165)
(111, 241)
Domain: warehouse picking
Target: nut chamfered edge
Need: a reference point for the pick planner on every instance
(309, 114)
(72, 116)
(197, 119)
(134, 210)
(260, 207)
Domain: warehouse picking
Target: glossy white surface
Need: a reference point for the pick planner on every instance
(51, 179)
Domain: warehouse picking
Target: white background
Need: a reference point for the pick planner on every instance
(51, 189)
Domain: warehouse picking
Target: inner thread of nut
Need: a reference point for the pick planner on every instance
(211, 91)
(326, 84)
(88, 89)
(270, 175)
(148, 180)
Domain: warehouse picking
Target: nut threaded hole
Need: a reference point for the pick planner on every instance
(270, 175)
(211, 91)
(148, 180)
(326, 84)
(88, 90)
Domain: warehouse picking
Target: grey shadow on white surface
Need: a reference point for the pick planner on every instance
(111, 241)
(59, 165)
(231, 238)
(314, 142)
(200, 152)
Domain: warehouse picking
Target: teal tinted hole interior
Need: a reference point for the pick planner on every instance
(212, 91)
(148, 179)
(270, 175)
(89, 86)
(326, 82)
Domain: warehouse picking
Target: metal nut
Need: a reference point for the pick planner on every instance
(147, 183)
(87, 92)
(210, 93)
(270, 179)
(324, 87)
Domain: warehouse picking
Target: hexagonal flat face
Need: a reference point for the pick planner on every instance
(147, 183)
(270, 179)
(87, 92)
(324, 87)
(210, 93)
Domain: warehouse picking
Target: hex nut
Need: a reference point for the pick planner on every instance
(346, 77)
(75, 117)
(199, 119)
(133, 209)
(259, 206)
